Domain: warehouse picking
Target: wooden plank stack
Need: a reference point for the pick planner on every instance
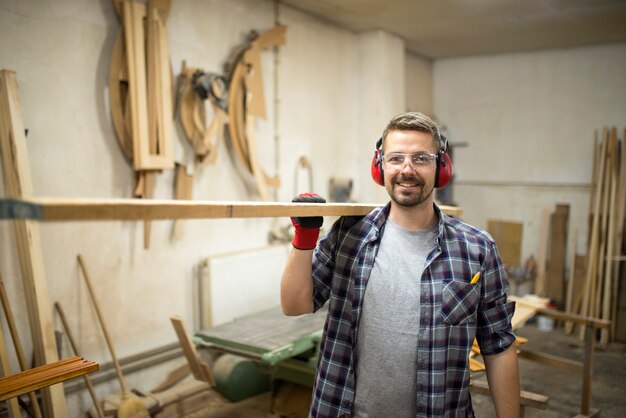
(598, 298)
(43, 376)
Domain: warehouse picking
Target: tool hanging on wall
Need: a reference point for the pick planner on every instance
(246, 101)
(195, 86)
(140, 92)
(183, 190)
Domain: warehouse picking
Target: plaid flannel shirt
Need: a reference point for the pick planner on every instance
(452, 312)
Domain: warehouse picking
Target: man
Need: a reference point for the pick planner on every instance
(408, 288)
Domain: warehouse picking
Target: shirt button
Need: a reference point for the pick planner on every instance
(346, 403)
(351, 371)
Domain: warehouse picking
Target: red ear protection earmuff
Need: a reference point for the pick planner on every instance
(443, 175)
(377, 164)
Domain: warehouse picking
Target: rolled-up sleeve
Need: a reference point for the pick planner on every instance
(494, 332)
(324, 266)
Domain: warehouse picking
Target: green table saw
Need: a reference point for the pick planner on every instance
(282, 347)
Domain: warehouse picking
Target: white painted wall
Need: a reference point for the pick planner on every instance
(61, 52)
(529, 120)
(419, 84)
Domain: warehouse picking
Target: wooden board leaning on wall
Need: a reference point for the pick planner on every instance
(50, 209)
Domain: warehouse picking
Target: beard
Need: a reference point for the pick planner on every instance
(412, 198)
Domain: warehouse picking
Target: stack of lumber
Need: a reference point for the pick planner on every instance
(598, 298)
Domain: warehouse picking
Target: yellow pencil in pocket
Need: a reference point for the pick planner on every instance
(475, 278)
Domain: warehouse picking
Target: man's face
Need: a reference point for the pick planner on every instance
(409, 184)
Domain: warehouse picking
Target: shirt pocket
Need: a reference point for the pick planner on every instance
(459, 301)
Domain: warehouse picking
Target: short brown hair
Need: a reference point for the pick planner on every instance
(414, 121)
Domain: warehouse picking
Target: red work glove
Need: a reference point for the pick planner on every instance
(307, 227)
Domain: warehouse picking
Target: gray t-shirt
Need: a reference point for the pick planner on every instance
(386, 347)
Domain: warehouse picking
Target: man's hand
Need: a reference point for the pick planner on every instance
(307, 227)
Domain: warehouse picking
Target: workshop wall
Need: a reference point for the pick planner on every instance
(528, 120)
(419, 84)
(61, 53)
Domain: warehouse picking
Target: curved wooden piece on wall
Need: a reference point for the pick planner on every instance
(118, 96)
(235, 116)
(190, 104)
(246, 101)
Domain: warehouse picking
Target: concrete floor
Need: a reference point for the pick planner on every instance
(563, 387)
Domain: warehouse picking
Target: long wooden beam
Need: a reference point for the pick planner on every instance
(50, 209)
(17, 183)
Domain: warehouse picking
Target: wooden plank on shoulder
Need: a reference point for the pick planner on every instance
(46, 209)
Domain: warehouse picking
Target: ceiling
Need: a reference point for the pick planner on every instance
(450, 28)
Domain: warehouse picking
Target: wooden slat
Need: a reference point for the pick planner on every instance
(48, 209)
(5, 370)
(43, 376)
(579, 319)
(135, 57)
(166, 116)
(597, 289)
(183, 190)
(554, 286)
(199, 370)
(135, 41)
(569, 294)
(621, 208)
(17, 181)
(17, 343)
(70, 337)
(544, 236)
(592, 253)
(604, 311)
